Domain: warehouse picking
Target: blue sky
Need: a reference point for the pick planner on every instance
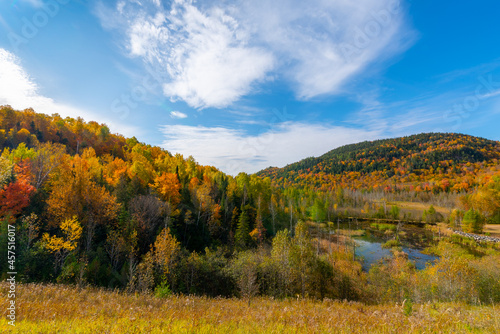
(246, 85)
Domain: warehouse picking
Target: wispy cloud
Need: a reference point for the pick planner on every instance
(234, 151)
(204, 55)
(178, 114)
(213, 53)
(20, 91)
(322, 44)
(492, 94)
(460, 108)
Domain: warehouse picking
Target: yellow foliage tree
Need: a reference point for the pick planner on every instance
(161, 256)
(166, 247)
(62, 246)
(486, 200)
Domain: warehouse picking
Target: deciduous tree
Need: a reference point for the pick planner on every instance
(62, 246)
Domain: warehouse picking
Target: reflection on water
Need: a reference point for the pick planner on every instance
(371, 237)
(372, 252)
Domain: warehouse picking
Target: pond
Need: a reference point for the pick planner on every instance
(369, 248)
(371, 252)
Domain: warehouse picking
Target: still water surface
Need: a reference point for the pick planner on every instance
(414, 240)
(372, 252)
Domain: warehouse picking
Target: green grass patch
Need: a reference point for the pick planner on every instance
(383, 227)
(391, 244)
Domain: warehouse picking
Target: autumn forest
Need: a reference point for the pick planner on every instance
(97, 212)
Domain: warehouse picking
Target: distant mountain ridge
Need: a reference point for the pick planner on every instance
(441, 161)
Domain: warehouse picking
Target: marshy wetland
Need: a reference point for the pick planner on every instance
(373, 242)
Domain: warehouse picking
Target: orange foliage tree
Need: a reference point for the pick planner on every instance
(167, 185)
(74, 193)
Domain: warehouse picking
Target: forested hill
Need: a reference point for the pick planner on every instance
(58, 168)
(30, 128)
(428, 161)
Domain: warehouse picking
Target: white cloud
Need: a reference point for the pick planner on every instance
(178, 114)
(19, 90)
(234, 151)
(203, 56)
(211, 54)
(323, 43)
(211, 63)
(147, 35)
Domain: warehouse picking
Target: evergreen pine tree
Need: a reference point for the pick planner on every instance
(242, 236)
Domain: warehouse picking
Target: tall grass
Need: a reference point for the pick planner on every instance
(66, 309)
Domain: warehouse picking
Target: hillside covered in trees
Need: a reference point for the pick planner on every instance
(78, 189)
(92, 207)
(437, 162)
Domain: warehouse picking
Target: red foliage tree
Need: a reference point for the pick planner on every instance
(14, 197)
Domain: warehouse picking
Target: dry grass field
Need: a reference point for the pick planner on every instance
(494, 230)
(418, 208)
(65, 309)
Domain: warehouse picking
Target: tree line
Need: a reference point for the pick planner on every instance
(94, 207)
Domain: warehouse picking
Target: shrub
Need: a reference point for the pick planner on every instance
(391, 243)
(407, 307)
(394, 212)
(473, 222)
(385, 227)
(431, 215)
(163, 290)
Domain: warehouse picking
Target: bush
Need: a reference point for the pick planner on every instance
(203, 274)
(391, 244)
(431, 215)
(407, 307)
(450, 279)
(473, 222)
(163, 290)
(487, 282)
(245, 268)
(393, 280)
(394, 212)
(380, 214)
(385, 227)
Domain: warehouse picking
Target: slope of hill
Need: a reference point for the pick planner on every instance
(30, 128)
(424, 162)
(120, 190)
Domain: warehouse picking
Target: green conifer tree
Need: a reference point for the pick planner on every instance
(242, 236)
